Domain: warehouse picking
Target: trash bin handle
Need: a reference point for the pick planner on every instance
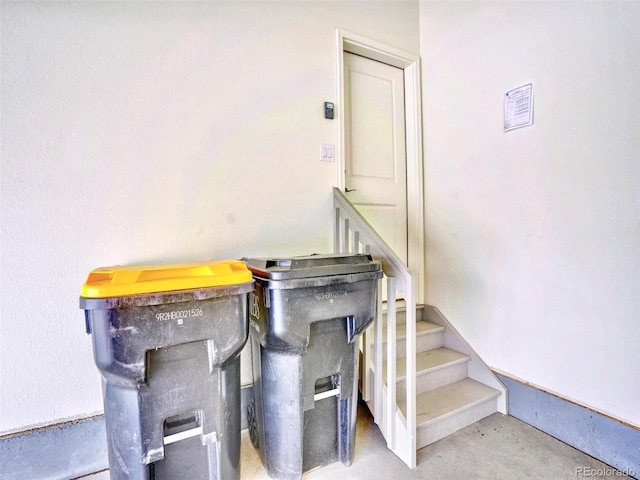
(331, 393)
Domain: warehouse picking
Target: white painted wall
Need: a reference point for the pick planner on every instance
(533, 236)
(155, 132)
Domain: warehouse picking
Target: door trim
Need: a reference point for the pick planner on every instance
(410, 63)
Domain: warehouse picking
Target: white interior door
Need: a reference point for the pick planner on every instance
(375, 160)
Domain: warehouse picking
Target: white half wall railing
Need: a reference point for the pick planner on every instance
(353, 234)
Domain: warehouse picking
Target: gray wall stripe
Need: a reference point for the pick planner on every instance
(63, 451)
(602, 437)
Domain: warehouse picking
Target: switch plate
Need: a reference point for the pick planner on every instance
(326, 152)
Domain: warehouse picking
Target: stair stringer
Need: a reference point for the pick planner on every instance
(478, 370)
(400, 442)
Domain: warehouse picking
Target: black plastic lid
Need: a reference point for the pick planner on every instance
(312, 266)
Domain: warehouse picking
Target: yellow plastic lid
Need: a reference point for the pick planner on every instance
(135, 280)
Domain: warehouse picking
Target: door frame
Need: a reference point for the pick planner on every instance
(410, 63)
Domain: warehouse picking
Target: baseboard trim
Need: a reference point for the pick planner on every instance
(66, 450)
(614, 442)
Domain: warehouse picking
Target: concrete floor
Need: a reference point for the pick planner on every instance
(496, 448)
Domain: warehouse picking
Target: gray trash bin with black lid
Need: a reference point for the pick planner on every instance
(167, 340)
(306, 315)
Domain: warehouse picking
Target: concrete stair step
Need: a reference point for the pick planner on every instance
(428, 337)
(447, 409)
(401, 312)
(434, 368)
(431, 361)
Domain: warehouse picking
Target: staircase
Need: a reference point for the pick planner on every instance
(421, 379)
(447, 399)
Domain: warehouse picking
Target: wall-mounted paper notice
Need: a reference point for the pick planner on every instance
(518, 107)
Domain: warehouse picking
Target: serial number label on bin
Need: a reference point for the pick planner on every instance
(179, 314)
(330, 295)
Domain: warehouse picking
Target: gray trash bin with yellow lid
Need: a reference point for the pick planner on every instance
(167, 339)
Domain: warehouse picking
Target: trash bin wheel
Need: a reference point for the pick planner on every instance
(252, 424)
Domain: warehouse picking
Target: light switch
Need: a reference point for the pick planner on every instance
(326, 152)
